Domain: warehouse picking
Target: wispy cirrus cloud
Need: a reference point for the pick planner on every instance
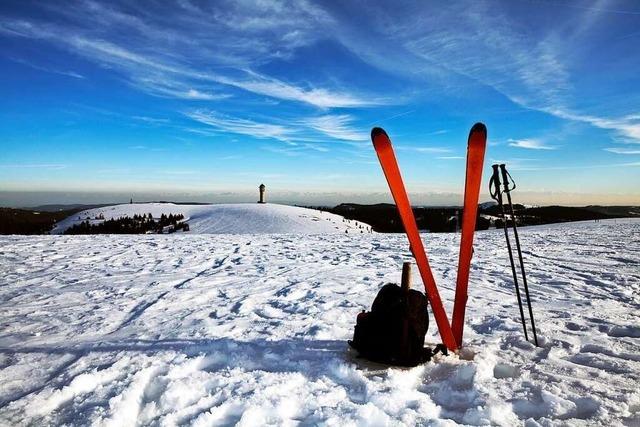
(318, 97)
(490, 51)
(531, 144)
(174, 88)
(628, 127)
(578, 167)
(161, 58)
(622, 150)
(338, 126)
(532, 72)
(49, 166)
(144, 147)
(295, 133)
(152, 120)
(242, 126)
(66, 73)
(422, 149)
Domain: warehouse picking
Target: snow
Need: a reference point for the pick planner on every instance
(238, 218)
(251, 330)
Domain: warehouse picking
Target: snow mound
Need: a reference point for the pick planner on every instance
(239, 218)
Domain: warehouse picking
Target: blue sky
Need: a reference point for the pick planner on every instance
(205, 100)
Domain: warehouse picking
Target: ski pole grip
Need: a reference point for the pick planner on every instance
(505, 177)
(494, 183)
(405, 283)
(496, 175)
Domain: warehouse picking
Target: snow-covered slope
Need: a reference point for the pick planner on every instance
(252, 329)
(239, 218)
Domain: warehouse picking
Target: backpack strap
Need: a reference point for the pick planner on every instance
(405, 285)
(429, 353)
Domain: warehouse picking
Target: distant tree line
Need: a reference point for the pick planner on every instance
(554, 214)
(26, 221)
(384, 217)
(137, 224)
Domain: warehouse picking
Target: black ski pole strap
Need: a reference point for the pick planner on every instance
(494, 184)
(512, 182)
(493, 191)
(508, 181)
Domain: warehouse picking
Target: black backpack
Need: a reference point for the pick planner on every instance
(393, 331)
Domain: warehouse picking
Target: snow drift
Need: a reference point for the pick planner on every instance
(239, 218)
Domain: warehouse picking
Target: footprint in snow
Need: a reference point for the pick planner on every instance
(504, 370)
(624, 331)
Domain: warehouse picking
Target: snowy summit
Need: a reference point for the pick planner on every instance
(239, 218)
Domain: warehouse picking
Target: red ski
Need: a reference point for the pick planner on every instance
(384, 150)
(475, 160)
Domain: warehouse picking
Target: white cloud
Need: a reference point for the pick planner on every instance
(165, 60)
(50, 166)
(532, 144)
(338, 127)
(152, 120)
(296, 133)
(622, 150)
(490, 50)
(627, 126)
(196, 94)
(493, 50)
(48, 69)
(423, 149)
(242, 126)
(575, 167)
(274, 88)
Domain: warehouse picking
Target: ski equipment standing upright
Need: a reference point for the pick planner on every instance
(496, 194)
(506, 179)
(386, 155)
(475, 160)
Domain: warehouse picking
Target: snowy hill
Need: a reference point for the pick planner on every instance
(252, 329)
(239, 218)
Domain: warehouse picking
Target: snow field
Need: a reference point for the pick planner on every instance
(252, 330)
(237, 218)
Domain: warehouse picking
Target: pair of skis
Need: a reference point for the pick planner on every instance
(496, 194)
(451, 333)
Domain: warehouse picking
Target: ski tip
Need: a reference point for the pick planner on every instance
(377, 132)
(480, 128)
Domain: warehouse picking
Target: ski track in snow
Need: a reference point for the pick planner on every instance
(252, 330)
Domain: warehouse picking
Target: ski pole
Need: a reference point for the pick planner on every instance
(494, 189)
(505, 182)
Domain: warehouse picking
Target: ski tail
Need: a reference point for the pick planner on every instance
(475, 160)
(387, 158)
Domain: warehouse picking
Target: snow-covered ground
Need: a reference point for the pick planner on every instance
(252, 329)
(237, 218)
